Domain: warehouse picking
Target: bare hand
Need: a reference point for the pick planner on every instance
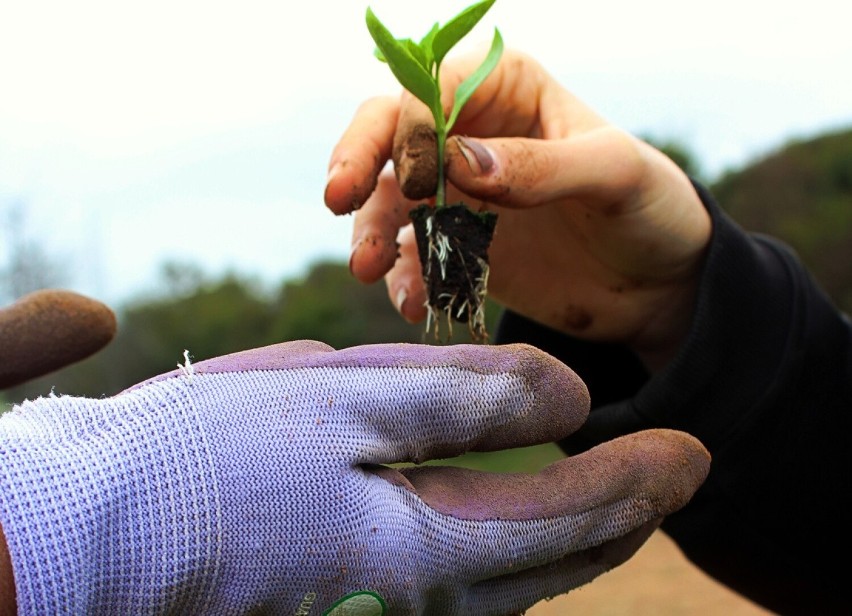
(600, 235)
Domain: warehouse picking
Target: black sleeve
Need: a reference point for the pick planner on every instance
(764, 380)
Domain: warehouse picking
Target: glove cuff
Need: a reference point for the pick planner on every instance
(109, 504)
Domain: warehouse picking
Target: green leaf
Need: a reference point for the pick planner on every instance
(407, 69)
(455, 29)
(426, 45)
(475, 79)
(418, 53)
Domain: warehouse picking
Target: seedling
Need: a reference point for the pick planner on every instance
(454, 261)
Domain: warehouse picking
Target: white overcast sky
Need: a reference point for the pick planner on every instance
(137, 132)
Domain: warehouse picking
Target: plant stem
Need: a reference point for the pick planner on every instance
(440, 194)
(441, 138)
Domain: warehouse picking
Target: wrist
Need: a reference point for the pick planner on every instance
(671, 314)
(668, 328)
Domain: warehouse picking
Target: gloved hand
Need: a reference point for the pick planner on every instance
(258, 483)
(47, 330)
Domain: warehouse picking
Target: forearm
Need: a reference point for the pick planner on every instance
(762, 379)
(764, 382)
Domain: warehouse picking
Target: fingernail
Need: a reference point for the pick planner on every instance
(355, 246)
(401, 296)
(478, 157)
(331, 173)
(335, 200)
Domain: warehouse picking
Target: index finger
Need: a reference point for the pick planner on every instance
(360, 155)
(422, 402)
(434, 402)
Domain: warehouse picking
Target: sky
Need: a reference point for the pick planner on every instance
(136, 133)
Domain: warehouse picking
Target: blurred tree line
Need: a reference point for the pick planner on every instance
(212, 317)
(801, 193)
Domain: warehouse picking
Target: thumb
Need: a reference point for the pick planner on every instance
(578, 517)
(604, 163)
(415, 151)
(659, 468)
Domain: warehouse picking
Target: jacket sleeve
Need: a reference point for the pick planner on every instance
(764, 381)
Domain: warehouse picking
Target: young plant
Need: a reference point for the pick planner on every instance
(452, 241)
(417, 67)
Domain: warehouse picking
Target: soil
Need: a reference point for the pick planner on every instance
(415, 163)
(452, 243)
(657, 581)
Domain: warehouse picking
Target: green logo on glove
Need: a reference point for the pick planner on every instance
(362, 603)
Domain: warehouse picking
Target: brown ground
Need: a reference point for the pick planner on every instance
(658, 580)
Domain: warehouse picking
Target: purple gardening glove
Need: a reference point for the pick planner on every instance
(257, 483)
(47, 330)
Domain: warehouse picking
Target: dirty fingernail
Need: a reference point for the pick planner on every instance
(478, 157)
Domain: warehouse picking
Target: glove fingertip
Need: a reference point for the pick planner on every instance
(558, 405)
(49, 329)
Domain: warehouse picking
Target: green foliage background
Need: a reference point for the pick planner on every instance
(212, 317)
(801, 193)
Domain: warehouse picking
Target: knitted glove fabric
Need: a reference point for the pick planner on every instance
(256, 483)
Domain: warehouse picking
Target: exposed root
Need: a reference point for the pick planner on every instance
(453, 252)
(454, 310)
(439, 245)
